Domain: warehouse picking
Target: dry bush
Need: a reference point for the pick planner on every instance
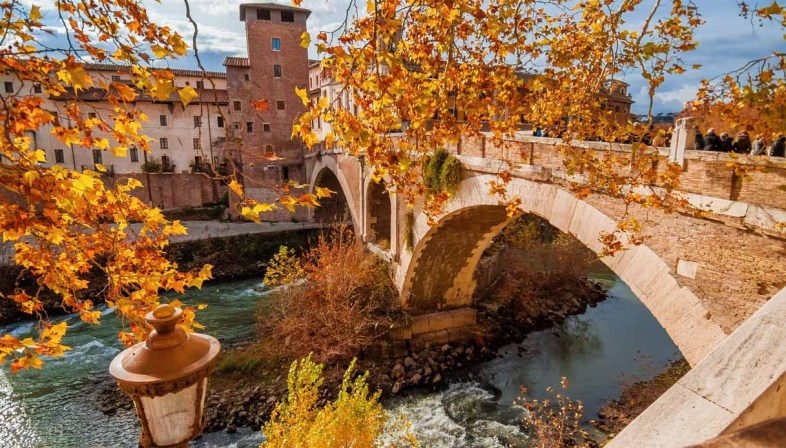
(346, 302)
(555, 422)
(532, 245)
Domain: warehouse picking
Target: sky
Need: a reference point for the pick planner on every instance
(727, 41)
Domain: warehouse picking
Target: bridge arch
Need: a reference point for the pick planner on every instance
(438, 273)
(338, 207)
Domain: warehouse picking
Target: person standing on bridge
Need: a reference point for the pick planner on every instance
(698, 139)
(742, 144)
(759, 148)
(726, 142)
(711, 141)
(779, 146)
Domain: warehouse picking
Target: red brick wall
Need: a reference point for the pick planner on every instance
(262, 84)
(175, 190)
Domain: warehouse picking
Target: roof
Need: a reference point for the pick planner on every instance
(235, 61)
(175, 71)
(269, 5)
(218, 96)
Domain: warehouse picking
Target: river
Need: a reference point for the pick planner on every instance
(617, 341)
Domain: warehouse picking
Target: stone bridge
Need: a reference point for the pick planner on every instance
(701, 277)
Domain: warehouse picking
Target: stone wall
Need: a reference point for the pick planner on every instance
(431, 329)
(175, 190)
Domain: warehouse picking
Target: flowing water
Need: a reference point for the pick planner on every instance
(617, 341)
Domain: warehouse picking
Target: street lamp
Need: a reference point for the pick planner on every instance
(166, 377)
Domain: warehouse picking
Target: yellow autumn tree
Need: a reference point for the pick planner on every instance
(354, 419)
(64, 224)
(427, 75)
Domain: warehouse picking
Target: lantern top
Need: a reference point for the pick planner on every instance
(169, 360)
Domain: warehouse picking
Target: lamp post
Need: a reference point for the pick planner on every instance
(166, 377)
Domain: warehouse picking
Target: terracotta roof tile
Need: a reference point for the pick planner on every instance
(176, 71)
(236, 61)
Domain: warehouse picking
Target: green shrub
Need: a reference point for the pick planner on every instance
(152, 165)
(441, 172)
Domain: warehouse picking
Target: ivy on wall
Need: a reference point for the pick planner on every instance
(441, 172)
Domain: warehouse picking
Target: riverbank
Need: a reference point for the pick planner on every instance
(246, 384)
(638, 396)
(236, 250)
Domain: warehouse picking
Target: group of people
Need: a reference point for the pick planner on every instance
(741, 144)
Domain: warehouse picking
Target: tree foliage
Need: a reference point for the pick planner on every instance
(345, 304)
(555, 422)
(284, 268)
(354, 419)
(428, 75)
(63, 223)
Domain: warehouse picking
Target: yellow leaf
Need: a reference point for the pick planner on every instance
(236, 188)
(101, 168)
(187, 94)
(40, 155)
(305, 39)
(35, 13)
(303, 95)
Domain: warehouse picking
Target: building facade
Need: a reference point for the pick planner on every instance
(263, 104)
(183, 138)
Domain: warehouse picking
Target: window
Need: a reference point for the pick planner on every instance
(249, 126)
(268, 149)
(97, 156)
(265, 127)
(115, 77)
(197, 121)
(37, 88)
(221, 122)
(236, 105)
(9, 87)
(285, 173)
(246, 77)
(162, 120)
(263, 14)
(197, 143)
(310, 82)
(134, 153)
(198, 161)
(163, 142)
(91, 115)
(166, 163)
(276, 71)
(276, 44)
(280, 105)
(236, 126)
(287, 16)
(59, 156)
(200, 85)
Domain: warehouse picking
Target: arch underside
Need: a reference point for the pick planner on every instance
(334, 209)
(440, 272)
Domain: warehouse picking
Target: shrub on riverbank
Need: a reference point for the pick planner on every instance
(555, 422)
(345, 304)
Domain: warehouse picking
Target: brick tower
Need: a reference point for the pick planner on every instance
(275, 65)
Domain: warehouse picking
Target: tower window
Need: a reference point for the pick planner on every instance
(249, 126)
(287, 16)
(280, 105)
(265, 127)
(263, 14)
(246, 77)
(276, 71)
(276, 44)
(236, 105)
